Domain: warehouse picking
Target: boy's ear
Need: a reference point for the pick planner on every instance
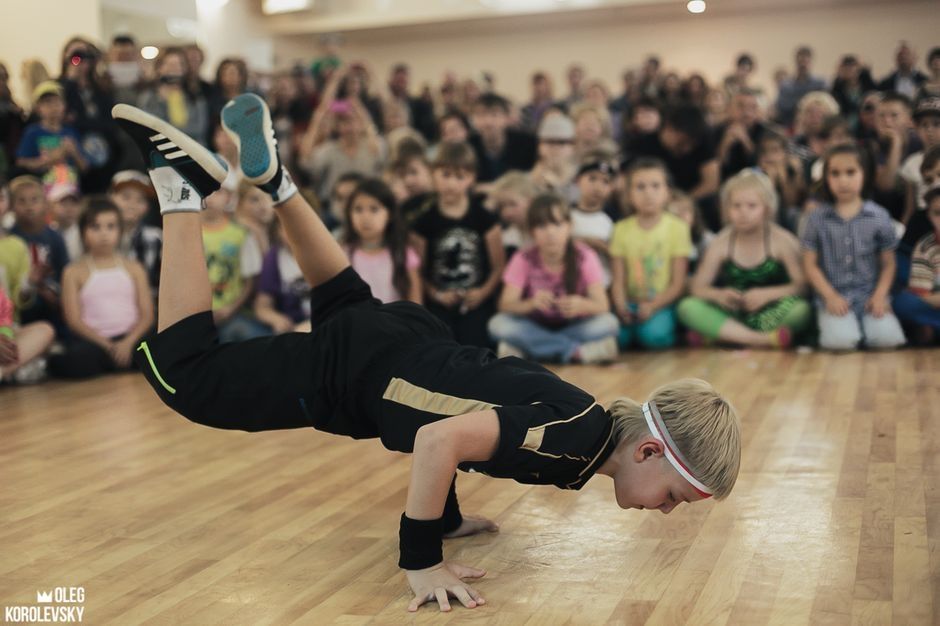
(646, 448)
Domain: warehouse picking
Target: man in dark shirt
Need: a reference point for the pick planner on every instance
(498, 147)
(684, 144)
(739, 137)
(393, 371)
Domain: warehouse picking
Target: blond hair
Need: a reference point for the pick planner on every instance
(25, 181)
(750, 179)
(514, 182)
(582, 108)
(821, 99)
(700, 421)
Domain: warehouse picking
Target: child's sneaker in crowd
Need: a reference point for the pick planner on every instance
(505, 349)
(600, 351)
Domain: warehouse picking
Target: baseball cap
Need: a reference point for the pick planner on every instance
(133, 178)
(556, 128)
(927, 106)
(61, 191)
(45, 88)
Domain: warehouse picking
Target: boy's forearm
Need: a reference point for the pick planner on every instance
(885, 280)
(433, 466)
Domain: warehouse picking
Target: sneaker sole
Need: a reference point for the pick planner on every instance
(200, 155)
(247, 121)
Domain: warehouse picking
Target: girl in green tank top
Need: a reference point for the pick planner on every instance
(748, 288)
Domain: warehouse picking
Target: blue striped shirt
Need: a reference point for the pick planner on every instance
(849, 249)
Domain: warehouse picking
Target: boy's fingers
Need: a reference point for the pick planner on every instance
(441, 594)
(464, 597)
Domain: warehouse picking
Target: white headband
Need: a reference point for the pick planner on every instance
(658, 428)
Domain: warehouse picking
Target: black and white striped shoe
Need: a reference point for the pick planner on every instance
(165, 146)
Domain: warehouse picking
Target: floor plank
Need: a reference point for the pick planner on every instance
(835, 518)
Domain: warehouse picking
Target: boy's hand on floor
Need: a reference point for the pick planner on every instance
(472, 525)
(442, 582)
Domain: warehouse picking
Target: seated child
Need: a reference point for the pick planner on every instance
(748, 288)
(848, 256)
(919, 305)
(283, 298)
(650, 260)
(48, 148)
(65, 200)
(461, 249)
(48, 256)
(376, 244)
(590, 223)
(554, 305)
(21, 346)
(132, 192)
(233, 258)
(105, 298)
(510, 196)
(255, 212)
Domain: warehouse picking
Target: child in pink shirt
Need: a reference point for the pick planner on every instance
(554, 304)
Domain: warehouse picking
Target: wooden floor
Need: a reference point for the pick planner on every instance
(835, 518)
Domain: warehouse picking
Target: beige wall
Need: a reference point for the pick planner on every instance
(708, 43)
(39, 28)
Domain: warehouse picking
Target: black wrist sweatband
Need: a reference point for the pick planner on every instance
(419, 542)
(452, 518)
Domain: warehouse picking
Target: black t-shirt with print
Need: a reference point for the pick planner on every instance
(685, 170)
(456, 256)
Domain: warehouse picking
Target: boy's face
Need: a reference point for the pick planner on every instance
(452, 183)
(933, 214)
(646, 480)
(648, 191)
(416, 177)
(646, 119)
(131, 202)
(928, 129)
(556, 153)
(893, 117)
(490, 121)
(676, 142)
(341, 193)
(50, 108)
(595, 187)
(257, 205)
(745, 109)
(217, 204)
(931, 176)
(29, 206)
(512, 208)
(453, 131)
(66, 210)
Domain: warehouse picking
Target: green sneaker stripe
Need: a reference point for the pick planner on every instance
(143, 346)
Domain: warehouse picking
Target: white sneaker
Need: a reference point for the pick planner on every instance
(600, 351)
(505, 349)
(31, 373)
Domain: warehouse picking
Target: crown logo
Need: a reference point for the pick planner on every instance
(44, 596)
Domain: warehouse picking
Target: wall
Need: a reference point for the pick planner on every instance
(39, 28)
(514, 47)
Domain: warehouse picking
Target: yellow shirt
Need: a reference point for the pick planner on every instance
(648, 254)
(14, 269)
